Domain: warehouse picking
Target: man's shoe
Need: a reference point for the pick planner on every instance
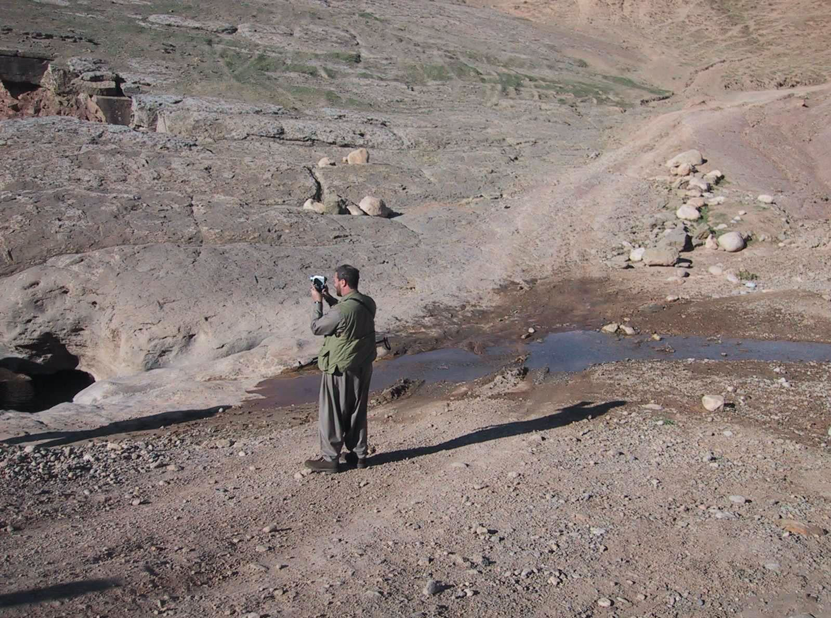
(353, 460)
(322, 465)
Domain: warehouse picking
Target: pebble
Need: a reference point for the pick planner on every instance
(270, 529)
(732, 278)
(261, 549)
(765, 199)
(610, 328)
(432, 588)
(627, 330)
(604, 602)
(738, 499)
(750, 284)
(716, 270)
(712, 403)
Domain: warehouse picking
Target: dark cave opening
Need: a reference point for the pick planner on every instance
(39, 392)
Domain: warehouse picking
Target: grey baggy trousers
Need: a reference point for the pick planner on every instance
(342, 422)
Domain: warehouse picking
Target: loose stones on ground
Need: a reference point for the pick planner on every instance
(712, 403)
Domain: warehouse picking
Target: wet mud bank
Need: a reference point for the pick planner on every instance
(564, 352)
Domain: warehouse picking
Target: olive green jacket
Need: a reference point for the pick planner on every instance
(348, 331)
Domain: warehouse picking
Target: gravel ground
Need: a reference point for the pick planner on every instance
(606, 493)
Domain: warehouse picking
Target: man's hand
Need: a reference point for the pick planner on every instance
(316, 296)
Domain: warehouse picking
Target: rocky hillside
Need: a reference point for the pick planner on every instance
(177, 237)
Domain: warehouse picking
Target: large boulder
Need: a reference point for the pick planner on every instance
(357, 157)
(334, 204)
(690, 157)
(374, 207)
(660, 256)
(712, 403)
(698, 183)
(731, 242)
(675, 238)
(330, 207)
(688, 213)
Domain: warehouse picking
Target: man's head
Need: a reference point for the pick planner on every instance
(346, 279)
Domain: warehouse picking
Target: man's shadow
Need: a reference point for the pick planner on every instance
(566, 416)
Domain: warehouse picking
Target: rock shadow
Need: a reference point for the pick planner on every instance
(566, 416)
(145, 423)
(59, 591)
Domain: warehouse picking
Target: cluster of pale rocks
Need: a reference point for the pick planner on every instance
(684, 229)
(335, 205)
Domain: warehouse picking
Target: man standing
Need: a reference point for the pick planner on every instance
(345, 360)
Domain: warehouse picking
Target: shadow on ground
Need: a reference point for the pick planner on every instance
(145, 423)
(59, 591)
(566, 416)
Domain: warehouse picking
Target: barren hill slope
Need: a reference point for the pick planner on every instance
(702, 45)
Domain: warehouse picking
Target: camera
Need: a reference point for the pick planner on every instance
(318, 281)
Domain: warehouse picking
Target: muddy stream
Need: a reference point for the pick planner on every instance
(560, 352)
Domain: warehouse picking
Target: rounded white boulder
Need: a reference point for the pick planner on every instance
(690, 157)
(688, 213)
(374, 207)
(712, 403)
(731, 242)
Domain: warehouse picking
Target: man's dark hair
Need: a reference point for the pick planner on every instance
(350, 274)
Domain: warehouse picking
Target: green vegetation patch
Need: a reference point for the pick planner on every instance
(630, 83)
